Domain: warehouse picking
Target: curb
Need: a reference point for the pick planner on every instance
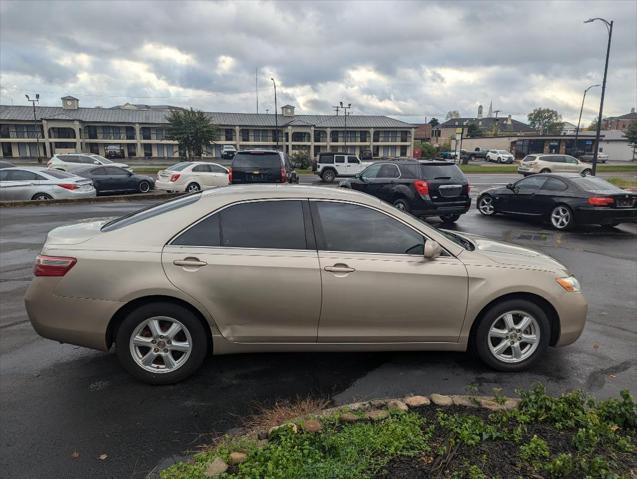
(95, 199)
(374, 410)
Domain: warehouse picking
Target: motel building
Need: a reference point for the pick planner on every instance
(139, 131)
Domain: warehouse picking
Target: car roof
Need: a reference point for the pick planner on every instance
(264, 190)
(259, 150)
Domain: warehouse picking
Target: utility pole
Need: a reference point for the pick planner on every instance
(35, 124)
(580, 117)
(276, 115)
(609, 27)
(345, 114)
(256, 86)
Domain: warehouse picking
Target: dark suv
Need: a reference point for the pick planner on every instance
(422, 188)
(262, 166)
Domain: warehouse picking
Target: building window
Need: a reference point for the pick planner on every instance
(364, 137)
(148, 150)
(131, 150)
(334, 137)
(229, 134)
(245, 135)
(403, 151)
(145, 133)
(376, 152)
(130, 133)
(404, 136)
(160, 151)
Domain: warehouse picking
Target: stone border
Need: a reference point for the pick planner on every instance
(94, 199)
(374, 410)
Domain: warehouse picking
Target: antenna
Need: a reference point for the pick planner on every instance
(256, 86)
(336, 109)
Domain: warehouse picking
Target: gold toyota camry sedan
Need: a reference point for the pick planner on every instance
(294, 268)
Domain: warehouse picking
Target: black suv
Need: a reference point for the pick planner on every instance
(262, 166)
(422, 188)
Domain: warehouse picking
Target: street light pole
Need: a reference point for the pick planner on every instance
(580, 116)
(35, 124)
(609, 27)
(276, 115)
(345, 113)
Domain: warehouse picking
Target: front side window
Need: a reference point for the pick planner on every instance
(99, 171)
(348, 227)
(529, 185)
(115, 171)
(570, 160)
(263, 224)
(353, 159)
(371, 171)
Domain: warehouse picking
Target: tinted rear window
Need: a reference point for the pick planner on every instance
(178, 166)
(441, 172)
(247, 160)
(593, 183)
(59, 174)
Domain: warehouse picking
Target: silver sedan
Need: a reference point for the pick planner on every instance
(33, 183)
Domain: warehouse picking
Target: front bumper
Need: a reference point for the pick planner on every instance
(80, 321)
(605, 216)
(169, 186)
(571, 309)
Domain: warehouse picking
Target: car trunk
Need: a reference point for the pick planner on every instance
(446, 183)
(257, 168)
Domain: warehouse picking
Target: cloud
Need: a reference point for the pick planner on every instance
(406, 59)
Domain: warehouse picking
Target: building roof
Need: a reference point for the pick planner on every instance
(628, 116)
(488, 124)
(159, 116)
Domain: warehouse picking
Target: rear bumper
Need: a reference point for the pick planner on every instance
(605, 216)
(63, 194)
(169, 186)
(427, 207)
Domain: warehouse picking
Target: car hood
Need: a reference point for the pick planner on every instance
(511, 254)
(76, 233)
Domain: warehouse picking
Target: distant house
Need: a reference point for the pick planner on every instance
(423, 132)
(568, 128)
(619, 122)
(490, 127)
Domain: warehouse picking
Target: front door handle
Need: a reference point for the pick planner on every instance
(339, 268)
(190, 262)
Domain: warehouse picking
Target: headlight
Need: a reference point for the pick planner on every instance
(570, 284)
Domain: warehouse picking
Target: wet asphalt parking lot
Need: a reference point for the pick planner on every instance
(57, 400)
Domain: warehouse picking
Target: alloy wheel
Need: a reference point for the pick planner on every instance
(144, 187)
(561, 217)
(514, 336)
(160, 344)
(485, 206)
(192, 187)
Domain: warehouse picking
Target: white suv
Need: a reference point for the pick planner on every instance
(499, 156)
(552, 163)
(228, 152)
(329, 165)
(191, 176)
(74, 161)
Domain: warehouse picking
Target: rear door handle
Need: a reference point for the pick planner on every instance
(339, 268)
(190, 262)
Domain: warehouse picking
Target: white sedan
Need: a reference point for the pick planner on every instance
(190, 176)
(499, 156)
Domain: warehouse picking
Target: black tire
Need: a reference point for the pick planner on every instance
(483, 207)
(587, 172)
(41, 197)
(402, 204)
(472, 158)
(143, 187)
(481, 340)
(198, 352)
(545, 170)
(450, 218)
(561, 218)
(499, 160)
(328, 176)
(193, 187)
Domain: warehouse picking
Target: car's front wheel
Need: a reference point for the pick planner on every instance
(161, 343)
(512, 335)
(144, 186)
(485, 205)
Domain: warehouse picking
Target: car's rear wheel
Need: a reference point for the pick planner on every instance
(486, 206)
(512, 335)
(193, 187)
(41, 197)
(562, 217)
(328, 176)
(401, 204)
(161, 343)
(449, 218)
(144, 187)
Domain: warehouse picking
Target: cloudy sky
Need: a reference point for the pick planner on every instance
(409, 60)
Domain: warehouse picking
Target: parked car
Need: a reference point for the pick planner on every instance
(38, 183)
(564, 200)
(499, 156)
(191, 176)
(111, 179)
(331, 165)
(422, 188)
(74, 161)
(447, 155)
(228, 152)
(551, 163)
(6, 164)
(262, 166)
(113, 151)
(588, 157)
(294, 268)
(476, 154)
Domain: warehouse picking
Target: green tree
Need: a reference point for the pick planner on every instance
(452, 114)
(545, 120)
(434, 122)
(428, 150)
(631, 136)
(473, 131)
(593, 125)
(192, 129)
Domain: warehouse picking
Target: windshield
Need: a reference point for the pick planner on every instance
(503, 152)
(529, 158)
(101, 159)
(178, 166)
(251, 160)
(459, 240)
(59, 174)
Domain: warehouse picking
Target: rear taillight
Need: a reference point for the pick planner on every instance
(175, 177)
(49, 163)
(468, 188)
(229, 175)
(284, 176)
(69, 186)
(421, 187)
(600, 201)
(53, 265)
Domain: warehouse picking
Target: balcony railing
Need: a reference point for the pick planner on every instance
(20, 134)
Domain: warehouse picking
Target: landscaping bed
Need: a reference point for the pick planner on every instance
(539, 436)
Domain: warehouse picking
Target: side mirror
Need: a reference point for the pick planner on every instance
(95, 162)
(510, 186)
(432, 249)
